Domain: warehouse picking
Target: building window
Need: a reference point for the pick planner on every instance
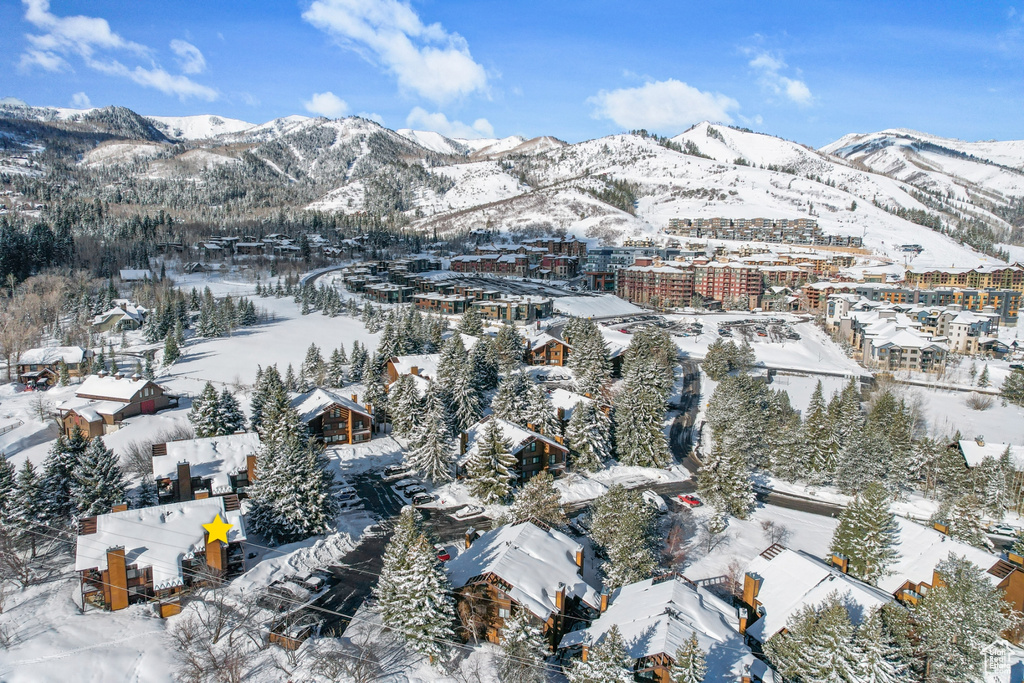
(503, 613)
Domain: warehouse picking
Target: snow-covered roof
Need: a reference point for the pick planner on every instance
(111, 388)
(920, 548)
(515, 436)
(125, 309)
(975, 452)
(659, 616)
(50, 355)
(425, 363)
(542, 339)
(159, 537)
(312, 403)
(567, 401)
(213, 458)
(791, 580)
(530, 559)
(130, 274)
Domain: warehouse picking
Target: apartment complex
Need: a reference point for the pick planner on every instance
(773, 230)
(661, 284)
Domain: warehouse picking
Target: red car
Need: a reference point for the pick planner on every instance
(442, 553)
(690, 501)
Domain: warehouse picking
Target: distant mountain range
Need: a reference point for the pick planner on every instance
(886, 187)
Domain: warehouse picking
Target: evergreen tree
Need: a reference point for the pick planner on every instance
(489, 468)
(413, 591)
(537, 499)
(983, 379)
(588, 437)
(588, 358)
(99, 483)
(623, 524)
(509, 347)
(964, 520)
(690, 665)
(607, 662)
(866, 534)
(63, 377)
(472, 323)
(540, 414)
(817, 644)
(512, 402)
(653, 348)
(58, 477)
(204, 415)
(406, 406)
(291, 382)
(523, 651)
(453, 359)
(29, 504)
(724, 480)
(432, 454)
(483, 368)
(229, 414)
(818, 438)
(879, 660)
(958, 618)
(336, 368)
(171, 350)
(465, 400)
(313, 365)
(8, 492)
(1012, 389)
(639, 416)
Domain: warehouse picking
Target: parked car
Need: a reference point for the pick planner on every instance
(422, 499)
(413, 491)
(689, 500)
(468, 511)
(405, 483)
(1002, 530)
(442, 552)
(655, 501)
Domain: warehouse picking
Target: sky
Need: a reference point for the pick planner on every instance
(576, 70)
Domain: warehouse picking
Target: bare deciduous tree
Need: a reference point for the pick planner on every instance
(775, 532)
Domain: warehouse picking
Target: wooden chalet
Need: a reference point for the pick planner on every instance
(526, 566)
(105, 400)
(534, 452)
(199, 468)
(544, 349)
(334, 419)
(40, 368)
(152, 554)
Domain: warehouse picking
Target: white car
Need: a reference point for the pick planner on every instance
(468, 511)
(655, 501)
(1002, 530)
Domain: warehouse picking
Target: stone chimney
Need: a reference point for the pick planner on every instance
(184, 481)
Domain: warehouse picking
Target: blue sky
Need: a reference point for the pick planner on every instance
(807, 71)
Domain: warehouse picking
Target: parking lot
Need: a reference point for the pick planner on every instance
(509, 285)
(766, 329)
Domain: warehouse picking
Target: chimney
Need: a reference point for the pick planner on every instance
(184, 481)
(605, 599)
(561, 414)
(215, 552)
(743, 615)
(202, 494)
(579, 558)
(941, 527)
(560, 597)
(102, 372)
(136, 377)
(120, 507)
(355, 398)
(751, 587)
(118, 375)
(840, 562)
(116, 588)
(980, 440)
(415, 371)
(250, 467)
(463, 439)
(470, 536)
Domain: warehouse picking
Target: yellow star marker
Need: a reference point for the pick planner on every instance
(218, 530)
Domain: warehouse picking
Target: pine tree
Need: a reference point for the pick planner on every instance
(229, 414)
(472, 323)
(171, 350)
(958, 618)
(489, 468)
(8, 492)
(817, 644)
(690, 665)
(29, 504)
(512, 402)
(63, 377)
(336, 368)
(983, 379)
(58, 477)
(878, 660)
(588, 358)
(406, 406)
(818, 437)
(465, 400)
(639, 416)
(725, 482)
(483, 368)
(204, 415)
(99, 483)
(523, 651)
(607, 662)
(623, 524)
(509, 347)
(537, 499)
(540, 413)
(588, 438)
(1012, 389)
(291, 382)
(313, 365)
(432, 453)
(413, 591)
(866, 534)
(964, 520)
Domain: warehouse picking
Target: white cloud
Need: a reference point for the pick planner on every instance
(662, 105)
(372, 116)
(769, 66)
(425, 59)
(326, 104)
(421, 119)
(81, 100)
(190, 59)
(89, 38)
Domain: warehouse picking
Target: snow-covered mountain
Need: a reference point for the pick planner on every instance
(199, 127)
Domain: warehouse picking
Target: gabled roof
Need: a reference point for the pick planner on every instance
(111, 388)
(159, 537)
(920, 548)
(567, 400)
(215, 458)
(532, 560)
(312, 403)
(791, 580)
(658, 616)
(515, 436)
(542, 339)
(425, 363)
(50, 355)
(975, 452)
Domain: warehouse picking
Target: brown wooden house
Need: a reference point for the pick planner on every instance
(534, 452)
(107, 400)
(544, 349)
(40, 368)
(526, 566)
(334, 419)
(152, 554)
